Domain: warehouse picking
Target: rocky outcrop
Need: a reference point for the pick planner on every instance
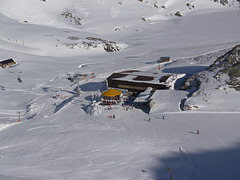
(72, 18)
(92, 42)
(228, 64)
(227, 2)
(223, 2)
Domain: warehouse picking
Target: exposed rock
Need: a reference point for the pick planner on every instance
(229, 64)
(73, 38)
(190, 6)
(92, 42)
(155, 5)
(109, 46)
(73, 18)
(224, 73)
(223, 2)
(194, 81)
(178, 14)
(234, 71)
(187, 108)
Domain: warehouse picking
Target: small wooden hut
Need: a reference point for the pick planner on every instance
(7, 63)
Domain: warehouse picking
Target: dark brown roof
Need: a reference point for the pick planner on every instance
(130, 71)
(164, 78)
(143, 78)
(116, 75)
(137, 81)
(6, 61)
(163, 59)
(132, 75)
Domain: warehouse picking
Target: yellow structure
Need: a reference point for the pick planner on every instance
(111, 96)
(111, 93)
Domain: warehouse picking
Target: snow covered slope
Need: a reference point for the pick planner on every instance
(215, 85)
(63, 136)
(68, 24)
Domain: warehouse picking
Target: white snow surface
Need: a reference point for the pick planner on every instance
(64, 136)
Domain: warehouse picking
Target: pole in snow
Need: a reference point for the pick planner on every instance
(78, 87)
(92, 96)
(170, 172)
(159, 61)
(19, 112)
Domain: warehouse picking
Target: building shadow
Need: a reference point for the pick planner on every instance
(89, 98)
(205, 165)
(187, 70)
(63, 103)
(93, 86)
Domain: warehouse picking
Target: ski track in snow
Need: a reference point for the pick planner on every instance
(5, 126)
(183, 151)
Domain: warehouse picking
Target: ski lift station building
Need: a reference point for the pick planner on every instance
(139, 81)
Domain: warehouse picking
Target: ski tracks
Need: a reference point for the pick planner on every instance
(188, 157)
(5, 126)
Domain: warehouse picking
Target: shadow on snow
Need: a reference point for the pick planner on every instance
(187, 70)
(93, 86)
(208, 165)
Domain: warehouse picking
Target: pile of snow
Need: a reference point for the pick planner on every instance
(167, 101)
(93, 109)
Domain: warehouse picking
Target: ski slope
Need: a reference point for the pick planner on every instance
(63, 136)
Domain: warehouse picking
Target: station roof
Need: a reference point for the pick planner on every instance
(140, 76)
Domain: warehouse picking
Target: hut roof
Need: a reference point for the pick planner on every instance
(111, 93)
(163, 59)
(6, 61)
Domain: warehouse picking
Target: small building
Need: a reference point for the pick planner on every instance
(163, 59)
(7, 63)
(111, 96)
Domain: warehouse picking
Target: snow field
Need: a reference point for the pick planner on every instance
(123, 145)
(58, 139)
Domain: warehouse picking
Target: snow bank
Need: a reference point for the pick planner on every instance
(93, 109)
(5, 126)
(167, 101)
